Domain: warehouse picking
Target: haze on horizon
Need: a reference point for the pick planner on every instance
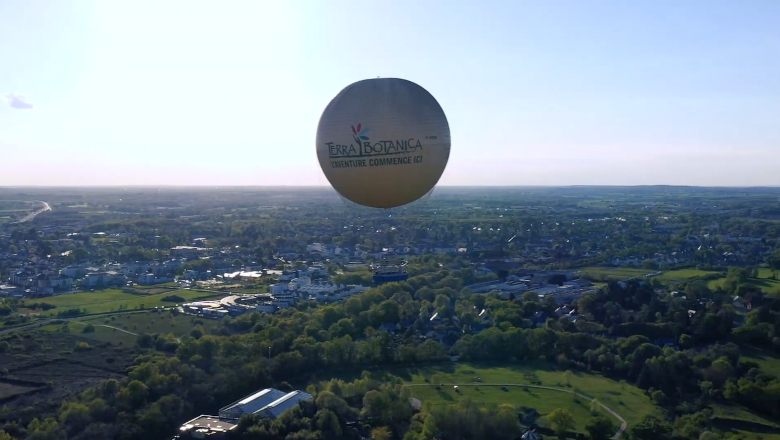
(537, 93)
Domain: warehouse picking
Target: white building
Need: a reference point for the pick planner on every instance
(187, 251)
(315, 247)
(73, 271)
(297, 283)
(278, 289)
(266, 307)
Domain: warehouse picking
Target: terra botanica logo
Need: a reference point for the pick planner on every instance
(364, 146)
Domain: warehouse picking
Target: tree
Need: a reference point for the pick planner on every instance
(561, 421)
(429, 427)
(650, 428)
(328, 424)
(709, 435)
(380, 433)
(5, 436)
(599, 428)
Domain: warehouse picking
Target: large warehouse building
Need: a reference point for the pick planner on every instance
(269, 403)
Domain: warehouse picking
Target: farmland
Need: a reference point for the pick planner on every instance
(112, 300)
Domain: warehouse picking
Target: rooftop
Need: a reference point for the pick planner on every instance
(279, 406)
(255, 402)
(210, 422)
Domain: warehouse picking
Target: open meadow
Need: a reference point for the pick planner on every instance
(113, 300)
(628, 401)
(683, 275)
(604, 274)
(764, 282)
(125, 328)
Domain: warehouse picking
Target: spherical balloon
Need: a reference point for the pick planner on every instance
(383, 142)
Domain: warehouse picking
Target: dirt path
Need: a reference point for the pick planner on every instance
(107, 326)
(623, 423)
(61, 320)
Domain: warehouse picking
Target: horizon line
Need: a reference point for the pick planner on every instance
(662, 185)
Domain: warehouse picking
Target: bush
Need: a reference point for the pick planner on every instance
(173, 299)
(82, 346)
(89, 328)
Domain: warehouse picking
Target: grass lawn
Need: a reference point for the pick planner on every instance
(768, 362)
(138, 323)
(110, 300)
(768, 286)
(614, 273)
(628, 401)
(622, 273)
(765, 273)
(680, 275)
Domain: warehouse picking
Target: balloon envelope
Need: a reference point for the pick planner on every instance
(383, 142)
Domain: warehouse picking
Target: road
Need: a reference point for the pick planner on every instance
(31, 216)
(623, 423)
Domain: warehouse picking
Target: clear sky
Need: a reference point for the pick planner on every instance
(536, 92)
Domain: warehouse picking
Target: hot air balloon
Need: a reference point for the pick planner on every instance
(383, 142)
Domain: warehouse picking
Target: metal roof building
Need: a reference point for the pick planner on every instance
(267, 403)
(250, 404)
(276, 408)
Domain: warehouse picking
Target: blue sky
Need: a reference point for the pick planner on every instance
(536, 92)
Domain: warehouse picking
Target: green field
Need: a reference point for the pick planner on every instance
(110, 300)
(764, 282)
(768, 362)
(681, 275)
(614, 273)
(769, 287)
(628, 401)
(623, 273)
(134, 324)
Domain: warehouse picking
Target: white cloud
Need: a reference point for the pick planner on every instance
(18, 101)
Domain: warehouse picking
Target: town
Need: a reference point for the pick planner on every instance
(123, 282)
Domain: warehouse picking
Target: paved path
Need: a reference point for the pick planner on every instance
(31, 216)
(623, 423)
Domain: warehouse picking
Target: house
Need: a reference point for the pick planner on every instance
(187, 251)
(483, 271)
